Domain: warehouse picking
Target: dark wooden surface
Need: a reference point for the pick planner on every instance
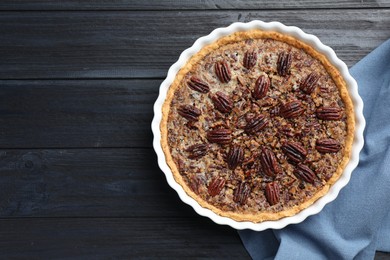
(78, 176)
(143, 44)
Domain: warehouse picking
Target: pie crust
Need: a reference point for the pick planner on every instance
(281, 208)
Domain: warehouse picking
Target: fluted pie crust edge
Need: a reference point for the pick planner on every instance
(332, 71)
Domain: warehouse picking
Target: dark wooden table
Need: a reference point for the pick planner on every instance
(78, 176)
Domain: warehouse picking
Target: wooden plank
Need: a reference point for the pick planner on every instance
(76, 113)
(120, 238)
(140, 44)
(128, 238)
(85, 182)
(382, 256)
(185, 4)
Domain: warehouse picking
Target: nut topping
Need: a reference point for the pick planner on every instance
(274, 111)
(197, 151)
(309, 84)
(215, 187)
(198, 85)
(304, 173)
(256, 124)
(327, 145)
(272, 193)
(195, 184)
(222, 71)
(189, 112)
(284, 63)
(241, 193)
(250, 59)
(261, 87)
(219, 136)
(222, 102)
(291, 109)
(235, 156)
(329, 113)
(294, 151)
(269, 163)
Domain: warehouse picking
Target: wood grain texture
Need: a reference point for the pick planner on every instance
(138, 44)
(76, 113)
(85, 182)
(185, 4)
(382, 256)
(119, 238)
(78, 177)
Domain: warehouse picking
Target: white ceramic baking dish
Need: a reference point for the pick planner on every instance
(300, 35)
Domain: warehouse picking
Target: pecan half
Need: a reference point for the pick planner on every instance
(294, 151)
(327, 145)
(222, 71)
(222, 102)
(215, 186)
(272, 192)
(291, 109)
(235, 156)
(284, 63)
(256, 124)
(261, 87)
(304, 173)
(197, 151)
(250, 58)
(241, 193)
(269, 163)
(310, 83)
(198, 85)
(189, 112)
(219, 136)
(329, 113)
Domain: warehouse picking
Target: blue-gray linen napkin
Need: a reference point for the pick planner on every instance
(357, 223)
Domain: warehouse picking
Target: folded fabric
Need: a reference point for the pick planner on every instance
(357, 223)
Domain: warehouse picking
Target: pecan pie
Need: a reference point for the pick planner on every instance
(257, 126)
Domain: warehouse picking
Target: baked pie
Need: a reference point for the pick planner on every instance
(257, 126)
